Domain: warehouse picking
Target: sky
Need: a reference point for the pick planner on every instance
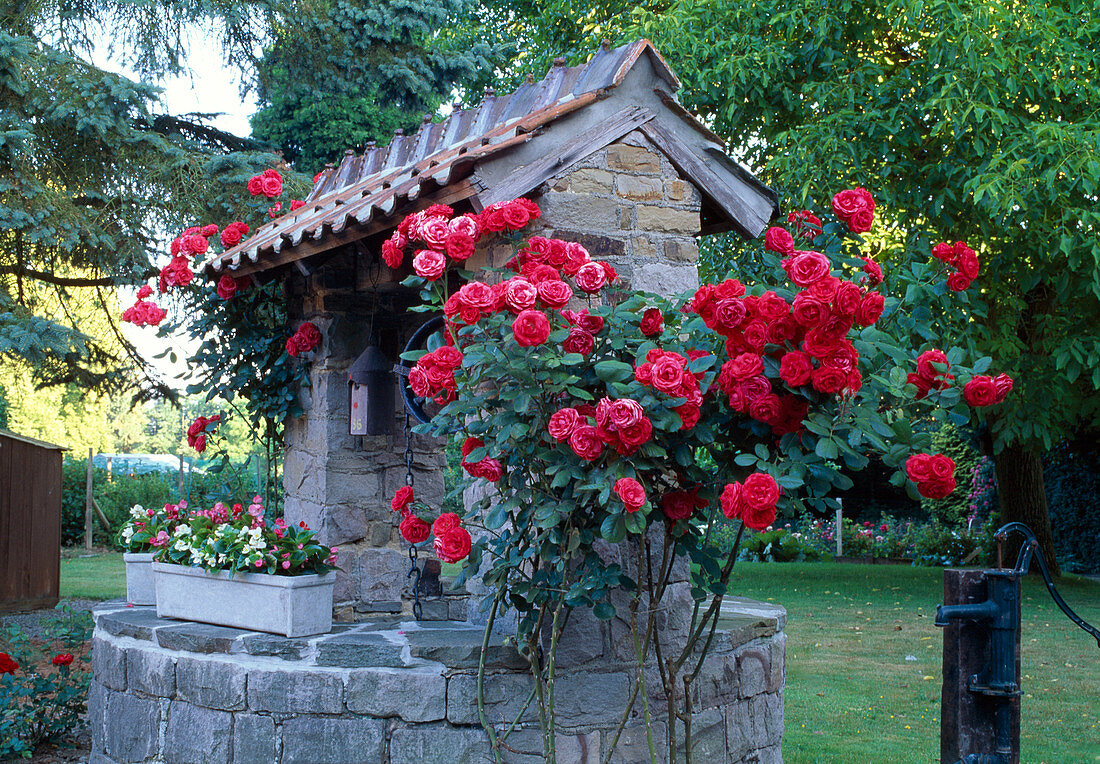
(208, 87)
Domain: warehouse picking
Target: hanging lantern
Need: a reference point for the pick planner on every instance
(370, 394)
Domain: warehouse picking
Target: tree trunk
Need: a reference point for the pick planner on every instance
(1024, 500)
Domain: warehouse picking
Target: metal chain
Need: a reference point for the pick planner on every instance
(414, 569)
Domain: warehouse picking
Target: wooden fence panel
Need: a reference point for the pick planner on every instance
(30, 523)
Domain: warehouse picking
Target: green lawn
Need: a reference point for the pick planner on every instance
(852, 696)
(99, 577)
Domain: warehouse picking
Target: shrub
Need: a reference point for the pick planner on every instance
(43, 689)
(1072, 478)
(938, 544)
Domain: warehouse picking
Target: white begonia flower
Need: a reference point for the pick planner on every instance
(137, 511)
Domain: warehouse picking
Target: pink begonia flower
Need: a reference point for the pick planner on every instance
(161, 539)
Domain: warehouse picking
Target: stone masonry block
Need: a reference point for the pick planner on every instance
(680, 250)
(578, 748)
(708, 736)
(211, 683)
(439, 744)
(643, 247)
(633, 159)
(382, 574)
(97, 714)
(197, 735)
(666, 280)
(343, 524)
(505, 695)
(660, 219)
(131, 727)
(581, 699)
(633, 744)
(586, 181)
(415, 695)
(681, 191)
(582, 211)
(638, 188)
(328, 740)
(109, 664)
(151, 672)
(773, 716)
(295, 692)
(753, 670)
(253, 739)
(717, 681)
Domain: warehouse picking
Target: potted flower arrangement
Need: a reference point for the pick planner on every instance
(230, 566)
(139, 538)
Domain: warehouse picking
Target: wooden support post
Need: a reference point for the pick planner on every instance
(840, 529)
(968, 720)
(88, 506)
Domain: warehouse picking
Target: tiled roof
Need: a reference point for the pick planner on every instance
(370, 187)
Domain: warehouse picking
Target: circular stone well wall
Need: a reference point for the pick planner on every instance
(392, 691)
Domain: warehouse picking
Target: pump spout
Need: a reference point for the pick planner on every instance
(981, 611)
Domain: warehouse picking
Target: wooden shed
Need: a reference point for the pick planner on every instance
(30, 522)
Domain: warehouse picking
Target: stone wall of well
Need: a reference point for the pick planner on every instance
(393, 691)
(625, 203)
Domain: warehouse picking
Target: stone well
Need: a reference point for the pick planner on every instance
(392, 691)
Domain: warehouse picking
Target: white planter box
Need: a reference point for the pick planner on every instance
(139, 578)
(294, 606)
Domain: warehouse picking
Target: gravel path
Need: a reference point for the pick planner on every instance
(34, 622)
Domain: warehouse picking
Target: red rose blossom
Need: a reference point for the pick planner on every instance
(403, 498)
(453, 545)
(585, 442)
(796, 368)
(980, 391)
(429, 264)
(414, 530)
(779, 240)
(807, 267)
(562, 423)
(652, 322)
(732, 504)
(531, 328)
(579, 341)
(445, 522)
(7, 664)
(631, 493)
(62, 659)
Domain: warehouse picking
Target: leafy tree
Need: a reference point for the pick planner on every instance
(351, 72)
(969, 122)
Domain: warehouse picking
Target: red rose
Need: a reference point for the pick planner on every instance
(414, 530)
(227, 287)
(918, 467)
(967, 263)
(936, 488)
(402, 499)
(667, 374)
(232, 234)
(453, 545)
(766, 408)
(942, 466)
(446, 522)
(591, 277)
(745, 365)
(925, 361)
(862, 221)
(873, 271)
(434, 231)
(200, 444)
(653, 321)
(554, 294)
(1003, 383)
(7, 664)
(429, 264)
(809, 311)
(459, 245)
(829, 380)
(530, 328)
(490, 469)
(392, 254)
(272, 186)
(585, 442)
(678, 505)
(575, 256)
(980, 391)
(62, 659)
(847, 203)
(296, 204)
(309, 337)
(631, 493)
(476, 295)
(856, 207)
(795, 368)
(689, 415)
(870, 309)
(562, 423)
(621, 413)
(957, 282)
(806, 267)
(520, 294)
(779, 240)
(847, 299)
(808, 225)
(760, 491)
(728, 315)
(516, 215)
(631, 438)
(585, 320)
(944, 251)
(733, 506)
(256, 185)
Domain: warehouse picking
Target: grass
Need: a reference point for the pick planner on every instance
(101, 576)
(855, 693)
(863, 659)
